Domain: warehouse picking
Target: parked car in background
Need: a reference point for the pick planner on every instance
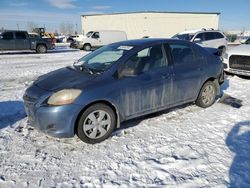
(97, 39)
(244, 40)
(205, 38)
(247, 41)
(237, 60)
(21, 40)
(119, 82)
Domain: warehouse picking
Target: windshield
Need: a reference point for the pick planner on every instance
(89, 33)
(187, 37)
(101, 59)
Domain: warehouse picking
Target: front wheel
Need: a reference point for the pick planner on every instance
(96, 124)
(41, 48)
(87, 47)
(207, 95)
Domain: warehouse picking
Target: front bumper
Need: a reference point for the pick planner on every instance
(57, 121)
(228, 69)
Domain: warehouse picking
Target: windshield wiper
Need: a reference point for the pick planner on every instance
(83, 67)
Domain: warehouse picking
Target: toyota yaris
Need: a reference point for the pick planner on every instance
(119, 82)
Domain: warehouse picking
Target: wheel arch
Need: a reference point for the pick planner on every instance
(87, 43)
(40, 43)
(212, 79)
(105, 102)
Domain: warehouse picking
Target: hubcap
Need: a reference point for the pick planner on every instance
(208, 95)
(97, 124)
(42, 49)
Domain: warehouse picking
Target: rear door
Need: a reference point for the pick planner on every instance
(187, 73)
(7, 41)
(150, 88)
(22, 41)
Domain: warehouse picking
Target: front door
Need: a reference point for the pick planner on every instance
(150, 88)
(96, 39)
(7, 41)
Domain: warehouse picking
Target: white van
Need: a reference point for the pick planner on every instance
(95, 39)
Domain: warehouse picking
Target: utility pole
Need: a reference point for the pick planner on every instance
(17, 27)
(76, 29)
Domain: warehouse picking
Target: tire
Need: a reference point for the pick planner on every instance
(87, 47)
(91, 129)
(41, 48)
(207, 95)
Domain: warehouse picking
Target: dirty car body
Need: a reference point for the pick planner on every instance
(132, 78)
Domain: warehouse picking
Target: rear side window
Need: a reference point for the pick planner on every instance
(148, 59)
(20, 35)
(218, 35)
(209, 36)
(8, 36)
(182, 54)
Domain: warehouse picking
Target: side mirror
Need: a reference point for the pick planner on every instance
(197, 40)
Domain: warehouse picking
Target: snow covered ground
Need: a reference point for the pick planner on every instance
(183, 147)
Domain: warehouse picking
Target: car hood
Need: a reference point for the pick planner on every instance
(64, 78)
(243, 49)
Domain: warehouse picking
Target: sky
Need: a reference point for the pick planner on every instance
(14, 14)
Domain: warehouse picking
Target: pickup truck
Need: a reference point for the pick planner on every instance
(20, 40)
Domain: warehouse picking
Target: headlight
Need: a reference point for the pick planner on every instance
(65, 96)
(225, 56)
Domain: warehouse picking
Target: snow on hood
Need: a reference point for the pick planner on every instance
(243, 49)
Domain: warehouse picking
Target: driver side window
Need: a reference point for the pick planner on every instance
(200, 36)
(96, 35)
(148, 59)
(8, 36)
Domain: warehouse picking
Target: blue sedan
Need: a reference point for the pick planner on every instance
(119, 82)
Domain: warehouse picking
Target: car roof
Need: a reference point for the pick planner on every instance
(148, 41)
(13, 31)
(198, 31)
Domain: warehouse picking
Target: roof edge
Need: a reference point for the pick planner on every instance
(140, 12)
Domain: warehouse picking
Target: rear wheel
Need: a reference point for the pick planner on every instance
(41, 48)
(207, 95)
(87, 47)
(96, 123)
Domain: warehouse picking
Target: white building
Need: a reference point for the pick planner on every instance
(151, 24)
